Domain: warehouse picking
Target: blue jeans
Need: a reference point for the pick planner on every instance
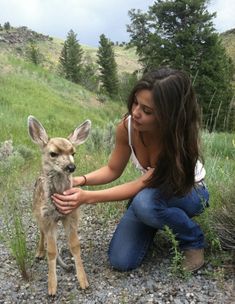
(149, 212)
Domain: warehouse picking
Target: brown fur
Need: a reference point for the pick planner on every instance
(56, 178)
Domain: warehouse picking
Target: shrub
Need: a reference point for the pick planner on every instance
(102, 139)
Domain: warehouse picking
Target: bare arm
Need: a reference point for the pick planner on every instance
(75, 197)
(116, 193)
(116, 164)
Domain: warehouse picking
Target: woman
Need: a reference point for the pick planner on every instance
(160, 134)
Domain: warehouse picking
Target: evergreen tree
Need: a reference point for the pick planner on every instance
(180, 34)
(33, 53)
(7, 26)
(107, 66)
(71, 58)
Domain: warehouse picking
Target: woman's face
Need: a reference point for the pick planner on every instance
(143, 111)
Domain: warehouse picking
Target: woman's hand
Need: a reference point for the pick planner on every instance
(69, 200)
(78, 181)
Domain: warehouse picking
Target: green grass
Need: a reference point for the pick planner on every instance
(27, 89)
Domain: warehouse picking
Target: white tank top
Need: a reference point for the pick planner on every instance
(200, 171)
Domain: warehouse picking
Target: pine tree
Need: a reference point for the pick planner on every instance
(71, 58)
(33, 53)
(107, 66)
(180, 34)
(7, 26)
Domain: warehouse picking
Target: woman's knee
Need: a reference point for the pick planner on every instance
(144, 202)
(120, 261)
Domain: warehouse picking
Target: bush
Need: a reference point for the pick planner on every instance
(102, 139)
(33, 54)
(11, 158)
(25, 152)
(7, 26)
(6, 149)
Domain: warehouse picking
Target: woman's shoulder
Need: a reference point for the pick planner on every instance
(122, 129)
(123, 123)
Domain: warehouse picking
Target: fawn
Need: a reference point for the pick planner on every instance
(56, 177)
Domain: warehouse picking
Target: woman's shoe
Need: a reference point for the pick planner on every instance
(193, 259)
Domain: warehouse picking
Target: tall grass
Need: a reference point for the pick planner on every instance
(13, 209)
(14, 233)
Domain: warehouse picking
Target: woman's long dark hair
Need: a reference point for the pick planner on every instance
(178, 123)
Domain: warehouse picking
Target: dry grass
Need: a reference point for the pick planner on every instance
(224, 220)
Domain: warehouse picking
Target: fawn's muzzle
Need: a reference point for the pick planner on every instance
(70, 168)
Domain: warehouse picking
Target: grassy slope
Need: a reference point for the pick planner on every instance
(27, 89)
(60, 105)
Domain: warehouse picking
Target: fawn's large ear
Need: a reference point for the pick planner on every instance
(36, 131)
(80, 134)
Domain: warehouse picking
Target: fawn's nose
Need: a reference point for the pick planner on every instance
(70, 168)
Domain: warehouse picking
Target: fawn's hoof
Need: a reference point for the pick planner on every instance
(84, 283)
(40, 255)
(52, 290)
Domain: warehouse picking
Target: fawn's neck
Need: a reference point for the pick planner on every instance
(57, 182)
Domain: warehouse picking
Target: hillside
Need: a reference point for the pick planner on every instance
(39, 90)
(17, 40)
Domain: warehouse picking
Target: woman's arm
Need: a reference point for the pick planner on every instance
(116, 193)
(116, 164)
(75, 197)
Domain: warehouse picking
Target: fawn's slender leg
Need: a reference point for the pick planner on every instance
(40, 253)
(74, 246)
(51, 256)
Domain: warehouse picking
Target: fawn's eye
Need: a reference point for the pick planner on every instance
(53, 154)
(73, 154)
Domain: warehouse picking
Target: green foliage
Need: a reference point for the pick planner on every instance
(177, 259)
(219, 153)
(107, 66)
(102, 139)
(15, 235)
(14, 229)
(71, 58)
(180, 34)
(33, 53)
(10, 158)
(7, 26)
